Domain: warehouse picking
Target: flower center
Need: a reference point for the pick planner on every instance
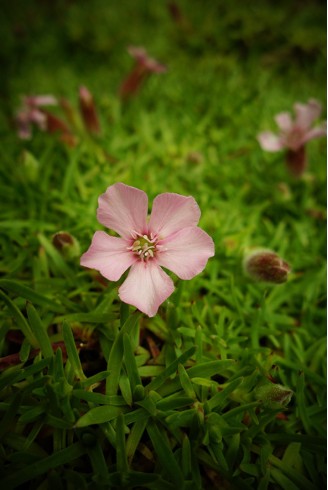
(144, 247)
(294, 138)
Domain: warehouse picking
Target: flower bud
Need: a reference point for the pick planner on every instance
(296, 161)
(267, 266)
(66, 244)
(273, 395)
(88, 111)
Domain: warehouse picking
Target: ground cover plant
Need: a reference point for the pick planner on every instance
(223, 384)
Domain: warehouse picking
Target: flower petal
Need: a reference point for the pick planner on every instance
(284, 121)
(146, 287)
(23, 126)
(39, 118)
(171, 212)
(186, 252)
(123, 209)
(108, 255)
(307, 113)
(40, 100)
(269, 141)
(316, 132)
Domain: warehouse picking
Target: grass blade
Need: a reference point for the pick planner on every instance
(72, 352)
(39, 331)
(165, 454)
(21, 321)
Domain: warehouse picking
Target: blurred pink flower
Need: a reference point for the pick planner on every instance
(30, 114)
(170, 238)
(144, 66)
(294, 134)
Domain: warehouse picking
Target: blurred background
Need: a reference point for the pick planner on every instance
(54, 46)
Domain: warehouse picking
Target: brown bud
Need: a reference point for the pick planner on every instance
(88, 111)
(66, 244)
(296, 161)
(54, 124)
(267, 266)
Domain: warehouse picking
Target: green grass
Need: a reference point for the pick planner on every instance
(93, 394)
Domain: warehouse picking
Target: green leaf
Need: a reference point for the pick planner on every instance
(121, 457)
(171, 369)
(134, 437)
(186, 457)
(33, 470)
(20, 320)
(72, 352)
(135, 416)
(59, 264)
(9, 378)
(150, 371)
(32, 414)
(30, 295)
(186, 383)
(39, 331)
(283, 481)
(165, 454)
(148, 404)
(25, 350)
(199, 344)
(136, 479)
(98, 415)
(115, 359)
(98, 462)
(174, 402)
(301, 404)
(220, 397)
(95, 379)
(125, 388)
(211, 368)
(89, 317)
(240, 409)
(99, 398)
(181, 419)
(10, 413)
(130, 363)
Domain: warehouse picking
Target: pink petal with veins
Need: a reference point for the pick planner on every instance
(186, 252)
(171, 212)
(108, 255)
(123, 209)
(146, 287)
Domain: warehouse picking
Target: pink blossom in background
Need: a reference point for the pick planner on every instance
(30, 114)
(294, 134)
(170, 239)
(144, 66)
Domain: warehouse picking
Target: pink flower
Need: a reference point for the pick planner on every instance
(30, 113)
(294, 134)
(144, 66)
(170, 238)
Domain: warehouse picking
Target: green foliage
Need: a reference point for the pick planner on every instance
(92, 393)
